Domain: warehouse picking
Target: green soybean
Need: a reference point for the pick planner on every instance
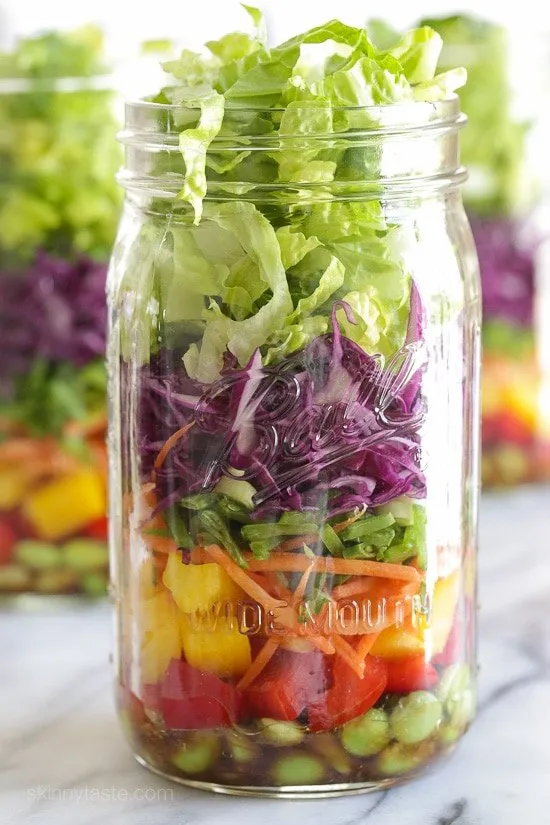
(448, 735)
(241, 748)
(94, 584)
(40, 555)
(14, 577)
(327, 746)
(281, 734)
(85, 554)
(197, 754)
(298, 769)
(457, 695)
(397, 759)
(415, 717)
(56, 581)
(367, 735)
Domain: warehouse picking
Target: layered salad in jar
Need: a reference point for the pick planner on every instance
(58, 211)
(502, 198)
(277, 628)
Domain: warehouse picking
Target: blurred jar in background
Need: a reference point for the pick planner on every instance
(58, 213)
(505, 201)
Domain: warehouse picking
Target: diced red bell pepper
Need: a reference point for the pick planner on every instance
(8, 538)
(135, 708)
(288, 686)
(193, 700)
(452, 652)
(98, 529)
(406, 675)
(350, 696)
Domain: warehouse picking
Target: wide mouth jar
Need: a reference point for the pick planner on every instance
(59, 205)
(294, 343)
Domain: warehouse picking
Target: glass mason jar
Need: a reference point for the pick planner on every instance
(293, 524)
(59, 206)
(506, 198)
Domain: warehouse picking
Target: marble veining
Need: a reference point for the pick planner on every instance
(64, 762)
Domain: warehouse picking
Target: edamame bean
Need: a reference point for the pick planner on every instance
(14, 577)
(298, 769)
(242, 748)
(416, 717)
(85, 554)
(281, 734)
(457, 695)
(398, 759)
(448, 735)
(367, 735)
(56, 581)
(40, 555)
(94, 584)
(197, 754)
(327, 746)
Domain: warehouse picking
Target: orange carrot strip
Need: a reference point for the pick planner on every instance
(167, 446)
(366, 644)
(347, 652)
(356, 587)
(95, 424)
(241, 577)
(301, 588)
(298, 563)
(262, 659)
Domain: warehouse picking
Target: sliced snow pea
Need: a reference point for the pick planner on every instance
(457, 695)
(415, 717)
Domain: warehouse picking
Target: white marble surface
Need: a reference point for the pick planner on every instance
(63, 760)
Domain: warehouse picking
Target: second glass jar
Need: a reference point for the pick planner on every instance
(294, 443)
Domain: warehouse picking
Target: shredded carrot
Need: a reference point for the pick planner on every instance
(366, 644)
(375, 587)
(301, 588)
(260, 662)
(168, 445)
(349, 654)
(298, 563)
(241, 577)
(356, 587)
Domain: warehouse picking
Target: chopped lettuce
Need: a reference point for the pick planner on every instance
(265, 275)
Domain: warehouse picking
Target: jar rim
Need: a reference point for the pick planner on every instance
(438, 112)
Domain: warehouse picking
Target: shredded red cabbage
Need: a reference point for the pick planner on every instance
(507, 263)
(54, 310)
(330, 420)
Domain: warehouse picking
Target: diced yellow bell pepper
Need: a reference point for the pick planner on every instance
(150, 580)
(160, 636)
(198, 586)
(408, 640)
(66, 505)
(223, 651)
(13, 487)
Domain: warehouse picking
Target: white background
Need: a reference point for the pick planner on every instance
(193, 21)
